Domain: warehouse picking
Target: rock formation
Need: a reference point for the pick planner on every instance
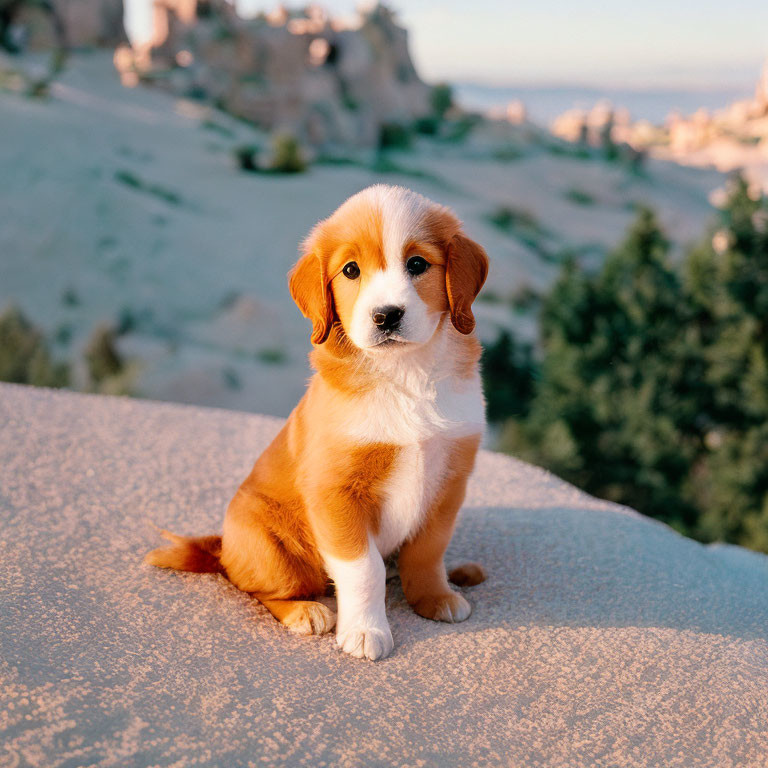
(602, 123)
(303, 73)
(730, 138)
(46, 24)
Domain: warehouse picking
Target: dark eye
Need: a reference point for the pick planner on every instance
(416, 265)
(351, 270)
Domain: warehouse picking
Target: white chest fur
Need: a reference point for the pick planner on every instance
(422, 406)
(424, 425)
(423, 415)
(413, 484)
(411, 409)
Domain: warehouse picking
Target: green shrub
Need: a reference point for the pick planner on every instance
(70, 297)
(24, 354)
(508, 154)
(489, 296)
(579, 196)
(458, 130)
(287, 156)
(394, 136)
(132, 180)
(338, 160)
(272, 355)
(565, 149)
(525, 299)
(441, 99)
(232, 378)
(506, 218)
(222, 130)
(526, 229)
(247, 157)
(384, 164)
(427, 126)
(101, 355)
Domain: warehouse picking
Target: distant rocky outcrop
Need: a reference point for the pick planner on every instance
(729, 138)
(325, 81)
(32, 25)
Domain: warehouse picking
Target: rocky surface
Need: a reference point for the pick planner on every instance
(600, 638)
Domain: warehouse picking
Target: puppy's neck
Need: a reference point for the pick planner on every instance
(345, 367)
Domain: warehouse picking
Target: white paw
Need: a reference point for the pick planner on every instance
(366, 642)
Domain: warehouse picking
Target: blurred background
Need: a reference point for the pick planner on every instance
(160, 162)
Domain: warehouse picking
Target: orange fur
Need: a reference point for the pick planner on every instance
(467, 575)
(346, 500)
(314, 490)
(308, 284)
(466, 273)
(200, 554)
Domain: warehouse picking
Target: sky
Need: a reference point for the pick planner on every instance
(694, 44)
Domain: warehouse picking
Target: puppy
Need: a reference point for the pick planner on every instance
(374, 460)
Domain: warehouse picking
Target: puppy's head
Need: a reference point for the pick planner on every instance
(387, 266)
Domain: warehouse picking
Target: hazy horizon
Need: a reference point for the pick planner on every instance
(659, 45)
(545, 102)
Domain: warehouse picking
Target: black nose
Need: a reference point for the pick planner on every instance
(387, 318)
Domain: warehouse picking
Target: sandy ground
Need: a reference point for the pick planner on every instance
(126, 203)
(601, 638)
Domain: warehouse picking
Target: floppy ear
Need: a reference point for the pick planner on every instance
(309, 289)
(465, 272)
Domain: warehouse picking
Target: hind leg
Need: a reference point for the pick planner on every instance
(304, 617)
(280, 571)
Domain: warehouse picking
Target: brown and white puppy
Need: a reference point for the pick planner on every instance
(375, 458)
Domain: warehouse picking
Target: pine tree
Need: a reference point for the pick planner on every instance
(508, 372)
(613, 412)
(654, 381)
(24, 354)
(727, 280)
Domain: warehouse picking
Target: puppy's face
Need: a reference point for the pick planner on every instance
(387, 266)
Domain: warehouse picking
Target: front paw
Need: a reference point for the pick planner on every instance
(366, 642)
(450, 607)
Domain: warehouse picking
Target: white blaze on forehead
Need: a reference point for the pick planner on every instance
(402, 215)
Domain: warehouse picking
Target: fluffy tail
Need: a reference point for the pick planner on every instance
(199, 554)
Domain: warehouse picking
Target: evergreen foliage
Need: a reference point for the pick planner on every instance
(101, 355)
(653, 383)
(441, 99)
(24, 353)
(508, 368)
(287, 155)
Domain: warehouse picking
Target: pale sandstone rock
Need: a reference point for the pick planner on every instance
(601, 638)
(303, 73)
(732, 138)
(63, 23)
